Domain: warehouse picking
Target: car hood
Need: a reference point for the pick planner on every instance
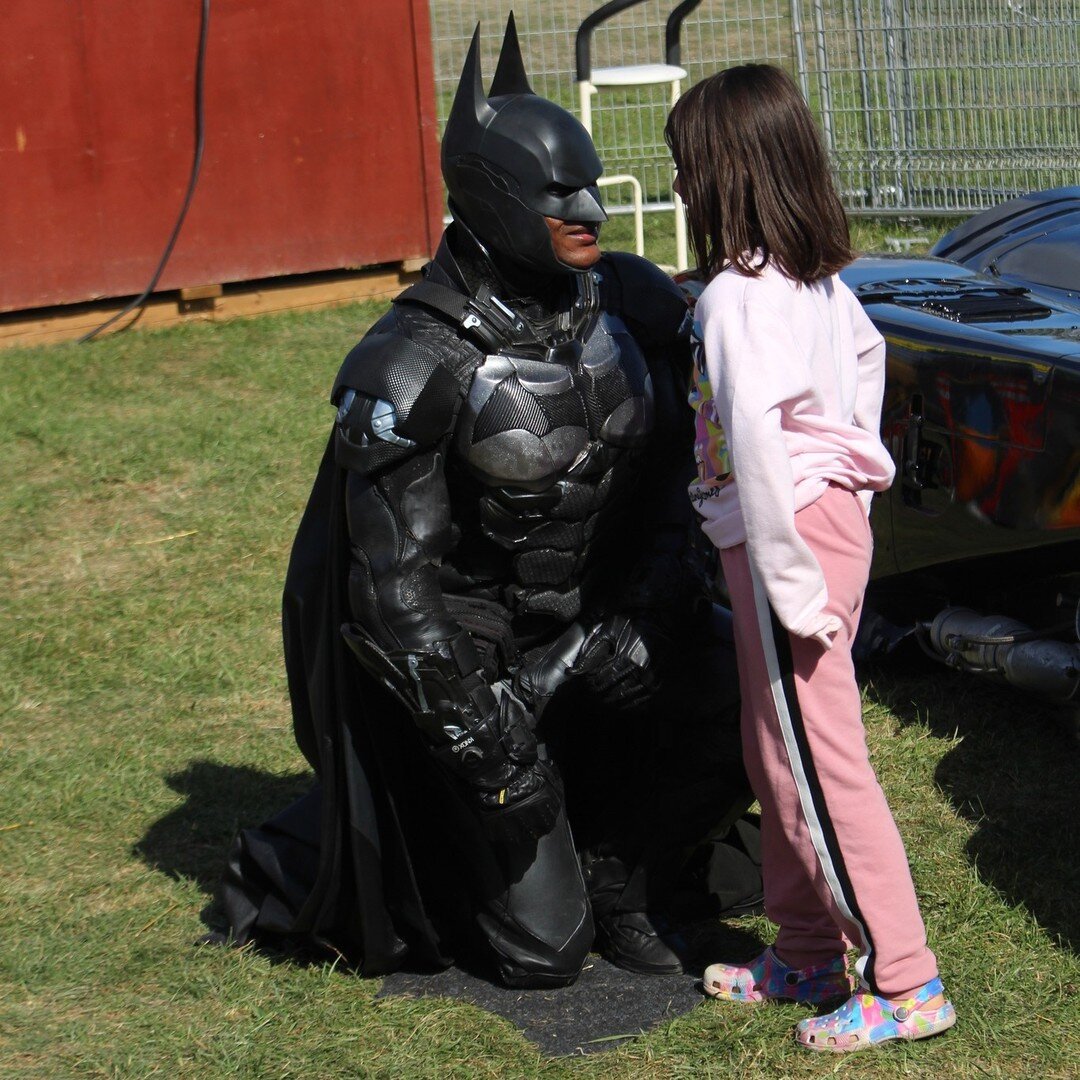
(965, 309)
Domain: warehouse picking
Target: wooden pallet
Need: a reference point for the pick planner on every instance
(212, 303)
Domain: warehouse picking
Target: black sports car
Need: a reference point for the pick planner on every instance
(978, 540)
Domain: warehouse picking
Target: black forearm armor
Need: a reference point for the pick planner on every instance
(480, 737)
(449, 701)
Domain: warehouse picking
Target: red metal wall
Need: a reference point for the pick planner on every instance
(320, 146)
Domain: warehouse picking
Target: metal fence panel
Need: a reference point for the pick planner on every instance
(928, 106)
(950, 105)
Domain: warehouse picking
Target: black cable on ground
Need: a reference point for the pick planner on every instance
(196, 165)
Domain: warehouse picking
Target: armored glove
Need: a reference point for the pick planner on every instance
(516, 795)
(620, 661)
(536, 682)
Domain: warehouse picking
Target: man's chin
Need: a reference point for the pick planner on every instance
(583, 259)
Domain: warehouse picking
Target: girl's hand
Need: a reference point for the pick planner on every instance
(827, 631)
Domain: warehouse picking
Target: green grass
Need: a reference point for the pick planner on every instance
(152, 485)
(867, 234)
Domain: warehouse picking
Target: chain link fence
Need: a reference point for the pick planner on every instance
(928, 106)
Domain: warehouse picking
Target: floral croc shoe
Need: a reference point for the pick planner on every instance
(866, 1020)
(768, 979)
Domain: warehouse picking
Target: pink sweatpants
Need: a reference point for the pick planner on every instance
(833, 863)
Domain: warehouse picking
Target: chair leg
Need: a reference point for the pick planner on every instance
(639, 208)
(682, 257)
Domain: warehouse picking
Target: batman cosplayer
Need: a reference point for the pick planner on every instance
(504, 669)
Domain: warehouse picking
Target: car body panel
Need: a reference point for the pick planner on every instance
(981, 413)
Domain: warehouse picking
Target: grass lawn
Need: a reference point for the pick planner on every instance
(152, 486)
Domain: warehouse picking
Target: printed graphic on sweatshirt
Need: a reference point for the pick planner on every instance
(710, 446)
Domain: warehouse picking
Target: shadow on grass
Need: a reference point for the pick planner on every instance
(193, 840)
(1013, 774)
(604, 1008)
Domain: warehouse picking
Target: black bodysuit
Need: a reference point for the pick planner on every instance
(503, 527)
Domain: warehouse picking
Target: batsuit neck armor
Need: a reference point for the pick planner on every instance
(511, 158)
(550, 323)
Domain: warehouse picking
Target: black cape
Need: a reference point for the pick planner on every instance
(336, 867)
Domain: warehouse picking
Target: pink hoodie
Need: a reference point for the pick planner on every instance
(793, 377)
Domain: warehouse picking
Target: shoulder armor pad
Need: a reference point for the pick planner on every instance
(365, 435)
(407, 374)
(644, 296)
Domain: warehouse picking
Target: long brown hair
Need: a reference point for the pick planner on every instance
(755, 177)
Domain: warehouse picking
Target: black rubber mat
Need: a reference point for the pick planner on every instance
(603, 1008)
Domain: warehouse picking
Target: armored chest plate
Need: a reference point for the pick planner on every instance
(527, 423)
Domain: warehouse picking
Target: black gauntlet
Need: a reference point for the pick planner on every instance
(622, 660)
(479, 734)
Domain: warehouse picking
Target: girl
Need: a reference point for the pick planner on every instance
(788, 390)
